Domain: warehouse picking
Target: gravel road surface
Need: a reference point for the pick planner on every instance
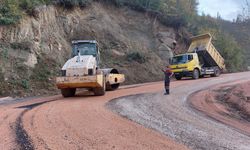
(173, 116)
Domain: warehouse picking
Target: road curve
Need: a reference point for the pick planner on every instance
(173, 116)
(84, 122)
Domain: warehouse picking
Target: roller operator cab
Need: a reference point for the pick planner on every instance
(83, 70)
(201, 59)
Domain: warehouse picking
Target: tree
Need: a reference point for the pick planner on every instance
(245, 15)
(9, 12)
(231, 51)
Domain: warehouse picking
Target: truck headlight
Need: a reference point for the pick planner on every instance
(63, 73)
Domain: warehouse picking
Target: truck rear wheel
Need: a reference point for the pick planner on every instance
(68, 92)
(196, 74)
(100, 91)
(216, 73)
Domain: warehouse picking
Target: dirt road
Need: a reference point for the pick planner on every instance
(84, 122)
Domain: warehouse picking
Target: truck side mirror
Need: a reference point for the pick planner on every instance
(190, 57)
(174, 44)
(170, 60)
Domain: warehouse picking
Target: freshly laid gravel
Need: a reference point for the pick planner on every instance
(172, 116)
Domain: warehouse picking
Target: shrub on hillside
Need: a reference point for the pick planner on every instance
(9, 12)
(24, 45)
(72, 3)
(136, 56)
(1, 75)
(29, 5)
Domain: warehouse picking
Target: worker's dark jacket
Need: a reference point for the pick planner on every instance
(168, 74)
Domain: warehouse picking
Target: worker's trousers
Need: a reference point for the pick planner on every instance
(167, 83)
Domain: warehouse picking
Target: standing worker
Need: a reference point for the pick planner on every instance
(168, 74)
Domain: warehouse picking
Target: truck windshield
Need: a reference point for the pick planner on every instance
(179, 59)
(84, 49)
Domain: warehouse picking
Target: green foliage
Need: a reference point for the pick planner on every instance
(136, 56)
(24, 45)
(4, 54)
(170, 12)
(41, 73)
(204, 23)
(44, 69)
(174, 13)
(1, 75)
(144, 4)
(9, 12)
(25, 84)
(72, 3)
(19, 83)
(29, 5)
(232, 53)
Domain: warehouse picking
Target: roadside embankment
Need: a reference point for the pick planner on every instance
(228, 103)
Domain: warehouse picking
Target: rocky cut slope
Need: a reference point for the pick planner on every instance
(32, 52)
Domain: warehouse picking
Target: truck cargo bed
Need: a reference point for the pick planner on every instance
(206, 59)
(208, 55)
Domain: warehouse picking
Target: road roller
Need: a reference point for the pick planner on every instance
(83, 70)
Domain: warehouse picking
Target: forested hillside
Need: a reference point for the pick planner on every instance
(241, 32)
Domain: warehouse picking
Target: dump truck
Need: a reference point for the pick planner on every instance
(83, 70)
(201, 59)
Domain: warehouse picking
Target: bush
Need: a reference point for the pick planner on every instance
(9, 12)
(25, 84)
(24, 45)
(1, 75)
(136, 56)
(4, 54)
(73, 3)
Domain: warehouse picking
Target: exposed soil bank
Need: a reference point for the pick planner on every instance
(229, 104)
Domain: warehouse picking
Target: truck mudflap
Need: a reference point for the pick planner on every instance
(80, 82)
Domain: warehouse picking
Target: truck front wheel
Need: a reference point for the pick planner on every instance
(196, 74)
(68, 92)
(178, 77)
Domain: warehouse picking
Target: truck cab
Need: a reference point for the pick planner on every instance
(186, 65)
